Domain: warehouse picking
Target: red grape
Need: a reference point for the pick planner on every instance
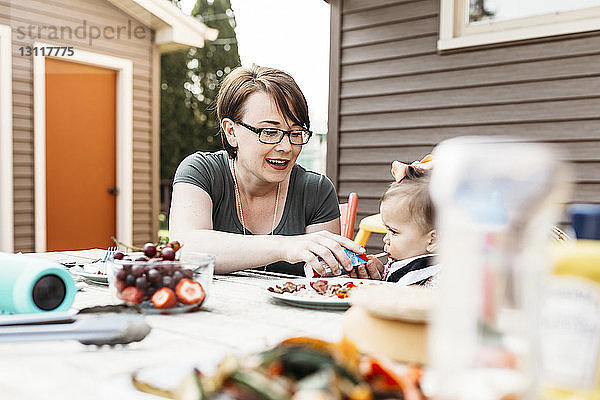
(167, 281)
(149, 250)
(121, 275)
(120, 285)
(137, 270)
(168, 254)
(177, 276)
(154, 275)
(141, 282)
(130, 280)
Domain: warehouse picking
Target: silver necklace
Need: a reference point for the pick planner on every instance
(238, 199)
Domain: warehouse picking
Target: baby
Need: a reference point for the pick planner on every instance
(408, 214)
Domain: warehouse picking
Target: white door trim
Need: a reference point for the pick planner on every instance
(124, 139)
(6, 142)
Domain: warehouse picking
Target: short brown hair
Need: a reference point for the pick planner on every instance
(415, 188)
(243, 81)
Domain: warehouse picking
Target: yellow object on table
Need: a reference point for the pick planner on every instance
(572, 292)
(372, 223)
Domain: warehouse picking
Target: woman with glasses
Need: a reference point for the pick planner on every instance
(251, 205)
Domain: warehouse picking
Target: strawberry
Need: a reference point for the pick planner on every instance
(132, 294)
(190, 292)
(175, 245)
(164, 298)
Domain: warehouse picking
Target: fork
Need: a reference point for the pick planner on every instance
(109, 253)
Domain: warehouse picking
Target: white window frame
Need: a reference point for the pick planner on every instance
(6, 142)
(455, 32)
(124, 139)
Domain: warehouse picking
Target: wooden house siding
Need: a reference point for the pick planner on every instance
(140, 51)
(396, 97)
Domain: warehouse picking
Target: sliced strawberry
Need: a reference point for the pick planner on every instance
(190, 292)
(164, 298)
(132, 294)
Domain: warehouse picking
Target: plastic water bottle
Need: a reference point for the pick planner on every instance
(496, 202)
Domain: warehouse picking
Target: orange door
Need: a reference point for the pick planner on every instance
(80, 155)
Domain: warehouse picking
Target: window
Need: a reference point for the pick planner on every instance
(467, 23)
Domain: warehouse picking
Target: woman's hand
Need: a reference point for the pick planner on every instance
(329, 246)
(373, 269)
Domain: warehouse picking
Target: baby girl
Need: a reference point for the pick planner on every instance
(408, 214)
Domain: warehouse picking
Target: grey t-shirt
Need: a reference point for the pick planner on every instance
(311, 199)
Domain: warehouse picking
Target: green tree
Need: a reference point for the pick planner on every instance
(189, 85)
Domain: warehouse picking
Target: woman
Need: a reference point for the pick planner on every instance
(251, 205)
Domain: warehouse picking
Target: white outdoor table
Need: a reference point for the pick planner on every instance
(238, 316)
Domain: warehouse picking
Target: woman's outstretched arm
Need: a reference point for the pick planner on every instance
(191, 224)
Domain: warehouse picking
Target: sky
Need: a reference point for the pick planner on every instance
(291, 35)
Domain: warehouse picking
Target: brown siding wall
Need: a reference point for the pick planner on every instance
(100, 13)
(398, 97)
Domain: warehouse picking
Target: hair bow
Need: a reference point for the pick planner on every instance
(399, 168)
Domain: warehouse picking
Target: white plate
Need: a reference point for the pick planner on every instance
(328, 303)
(311, 299)
(101, 279)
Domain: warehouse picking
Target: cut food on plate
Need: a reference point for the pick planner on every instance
(338, 290)
(329, 293)
(321, 287)
(287, 287)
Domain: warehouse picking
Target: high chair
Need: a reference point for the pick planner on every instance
(371, 223)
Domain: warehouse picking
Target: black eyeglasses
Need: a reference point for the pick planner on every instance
(274, 135)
